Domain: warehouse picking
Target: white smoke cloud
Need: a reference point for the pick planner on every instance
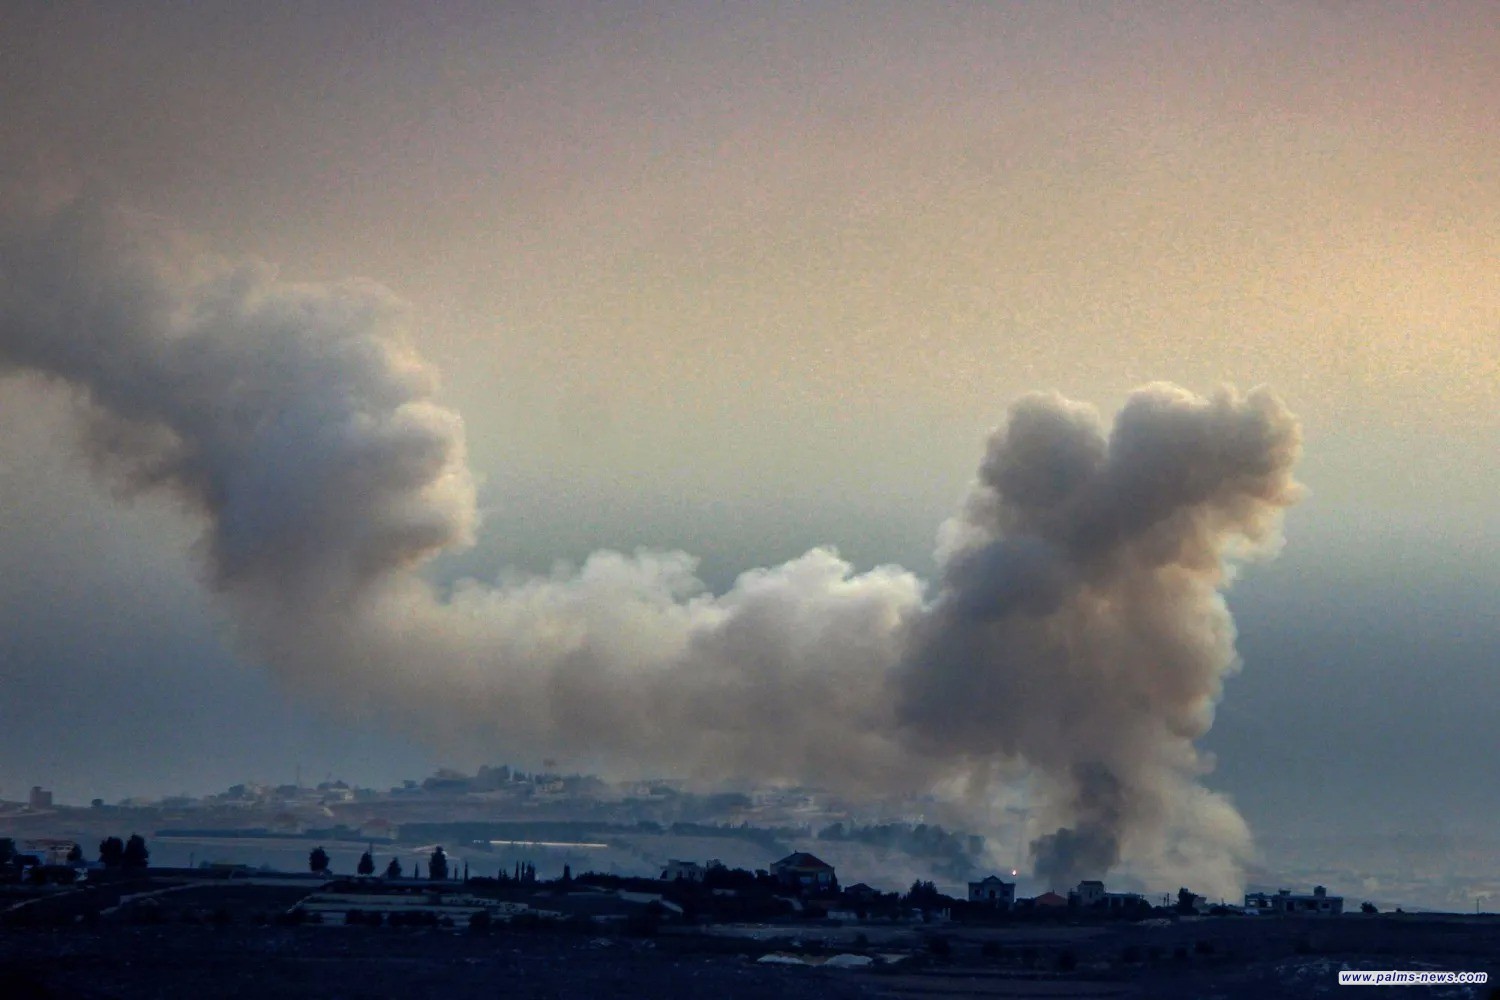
(1077, 627)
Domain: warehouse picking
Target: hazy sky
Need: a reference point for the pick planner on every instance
(742, 279)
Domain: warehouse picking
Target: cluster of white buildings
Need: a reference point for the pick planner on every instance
(1091, 895)
(688, 871)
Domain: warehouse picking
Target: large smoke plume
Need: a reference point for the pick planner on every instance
(1077, 630)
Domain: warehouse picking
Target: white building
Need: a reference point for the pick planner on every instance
(455, 906)
(1123, 900)
(1090, 895)
(803, 869)
(687, 871)
(47, 850)
(991, 891)
(1286, 901)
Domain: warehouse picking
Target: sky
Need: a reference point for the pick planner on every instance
(746, 279)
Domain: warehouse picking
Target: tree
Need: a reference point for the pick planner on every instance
(1185, 901)
(923, 894)
(437, 865)
(366, 864)
(1368, 908)
(136, 855)
(318, 860)
(112, 852)
(75, 856)
(393, 870)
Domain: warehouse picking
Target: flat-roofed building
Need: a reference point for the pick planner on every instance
(1286, 901)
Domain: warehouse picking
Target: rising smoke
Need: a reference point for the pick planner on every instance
(1077, 627)
(1080, 623)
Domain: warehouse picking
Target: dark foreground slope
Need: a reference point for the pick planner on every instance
(1227, 958)
(343, 963)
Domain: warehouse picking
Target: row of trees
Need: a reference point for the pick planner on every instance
(438, 868)
(117, 853)
(437, 865)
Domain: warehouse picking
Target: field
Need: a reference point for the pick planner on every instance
(158, 938)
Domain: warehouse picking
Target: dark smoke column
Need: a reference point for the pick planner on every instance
(1080, 624)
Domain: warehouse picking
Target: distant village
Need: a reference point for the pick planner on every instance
(506, 876)
(798, 886)
(693, 918)
(503, 821)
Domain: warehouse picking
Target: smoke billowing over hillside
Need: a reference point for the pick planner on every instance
(1077, 628)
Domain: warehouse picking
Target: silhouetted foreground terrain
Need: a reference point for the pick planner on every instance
(1221, 958)
(164, 933)
(340, 962)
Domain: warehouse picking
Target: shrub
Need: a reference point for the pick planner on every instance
(147, 912)
(643, 924)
